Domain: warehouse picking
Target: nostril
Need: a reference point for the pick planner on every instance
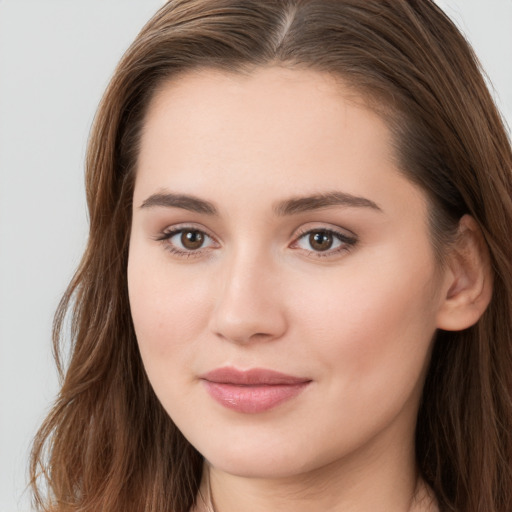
(248, 325)
(243, 334)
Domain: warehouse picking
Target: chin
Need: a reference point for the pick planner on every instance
(262, 459)
(261, 466)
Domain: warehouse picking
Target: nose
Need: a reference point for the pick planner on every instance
(250, 304)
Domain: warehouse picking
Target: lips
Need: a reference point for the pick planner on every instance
(252, 391)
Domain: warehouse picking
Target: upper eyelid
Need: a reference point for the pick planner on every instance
(176, 228)
(344, 239)
(342, 232)
(296, 232)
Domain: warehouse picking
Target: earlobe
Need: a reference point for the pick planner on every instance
(468, 284)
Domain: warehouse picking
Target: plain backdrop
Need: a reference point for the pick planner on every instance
(56, 57)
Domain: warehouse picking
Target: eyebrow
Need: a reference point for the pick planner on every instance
(291, 206)
(184, 201)
(318, 201)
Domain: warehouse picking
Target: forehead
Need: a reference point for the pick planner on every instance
(265, 132)
(259, 82)
(275, 108)
(266, 93)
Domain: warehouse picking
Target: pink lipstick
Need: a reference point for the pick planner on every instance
(252, 391)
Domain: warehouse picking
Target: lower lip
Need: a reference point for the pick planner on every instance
(253, 399)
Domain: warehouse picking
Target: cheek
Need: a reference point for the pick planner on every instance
(168, 310)
(372, 325)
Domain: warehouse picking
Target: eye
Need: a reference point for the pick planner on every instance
(324, 242)
(186, 241)
(191, 240)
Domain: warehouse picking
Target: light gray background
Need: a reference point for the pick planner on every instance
(56, 57)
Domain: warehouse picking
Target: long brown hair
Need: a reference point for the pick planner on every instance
(108, 445)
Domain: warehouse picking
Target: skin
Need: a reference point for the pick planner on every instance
(357, 320)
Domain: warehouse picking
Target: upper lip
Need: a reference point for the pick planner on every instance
(252, 377)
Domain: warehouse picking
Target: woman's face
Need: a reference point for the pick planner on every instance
(273, 232)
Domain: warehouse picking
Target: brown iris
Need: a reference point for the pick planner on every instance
(192, 239)
(321, 240)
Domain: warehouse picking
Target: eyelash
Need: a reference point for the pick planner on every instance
(166, 236)
(347, 242)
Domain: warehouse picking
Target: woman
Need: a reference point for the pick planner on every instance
(297, 289)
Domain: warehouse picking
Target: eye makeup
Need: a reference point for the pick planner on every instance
(319, 242)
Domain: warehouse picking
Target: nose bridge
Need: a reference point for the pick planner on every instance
(249, 305)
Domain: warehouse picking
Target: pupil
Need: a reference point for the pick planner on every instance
(321, 241)
(192, 239)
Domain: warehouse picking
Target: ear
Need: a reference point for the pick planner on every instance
(468, 280)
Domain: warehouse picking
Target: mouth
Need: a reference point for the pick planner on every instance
(252, 391)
